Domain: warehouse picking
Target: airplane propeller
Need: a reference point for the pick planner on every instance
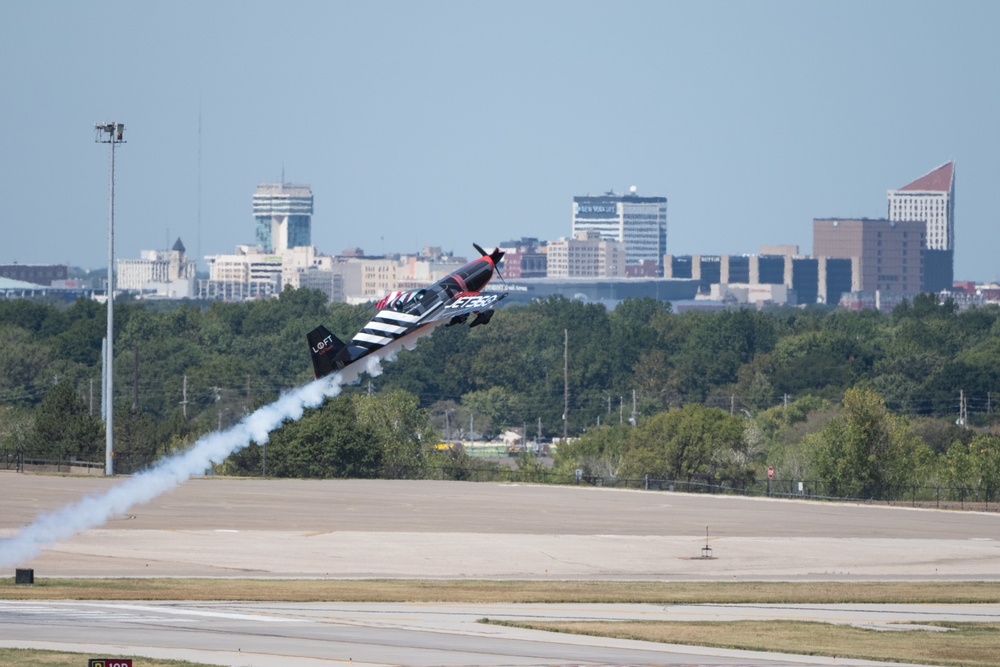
(496, 256)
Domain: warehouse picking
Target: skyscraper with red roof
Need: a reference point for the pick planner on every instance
(931, 200)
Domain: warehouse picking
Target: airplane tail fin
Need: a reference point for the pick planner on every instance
(324, 348)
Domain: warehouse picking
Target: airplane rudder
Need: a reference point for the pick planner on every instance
(323, 348)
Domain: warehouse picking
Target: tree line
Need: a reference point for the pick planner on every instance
(720, 395)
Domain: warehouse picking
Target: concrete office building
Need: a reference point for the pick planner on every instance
(329, 281)
(638, 222)
(887, 252)
(706, 269)
(586, 255)
(166, 273)
(283, 213)
(774, 278)
(248, 273)
(931, 200)
(37, 274)
(524, 258)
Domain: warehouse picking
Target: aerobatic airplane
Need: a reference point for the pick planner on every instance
(452, 298)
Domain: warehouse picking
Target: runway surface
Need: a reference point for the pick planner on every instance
(314, 634)
(418, 529)
(375, 528)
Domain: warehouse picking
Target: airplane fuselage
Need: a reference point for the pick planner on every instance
(399, 314)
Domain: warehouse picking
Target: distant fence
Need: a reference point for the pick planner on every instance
(16, 461)
(943, 497)
(12, 459)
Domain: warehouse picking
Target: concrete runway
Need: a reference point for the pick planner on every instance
(376, 528)
(361, 528)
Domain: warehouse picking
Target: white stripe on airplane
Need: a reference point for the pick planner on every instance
(399, 317)
(368, 338)
(385, 326)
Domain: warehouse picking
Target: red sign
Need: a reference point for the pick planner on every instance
(770, 472)
(110, 662)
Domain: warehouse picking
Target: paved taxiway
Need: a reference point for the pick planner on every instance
(368, 528)
(313, 634)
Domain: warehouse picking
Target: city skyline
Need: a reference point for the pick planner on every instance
(449, 123)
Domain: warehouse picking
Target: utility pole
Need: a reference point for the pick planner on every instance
(633, 419)
(184, 397)
(111, 134)
(565, 384)
(246, 410)
(963, 411)
(91, 410)
(135, 377)
(218, 397)
(621, 409)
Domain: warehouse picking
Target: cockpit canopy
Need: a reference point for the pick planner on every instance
(414, 301)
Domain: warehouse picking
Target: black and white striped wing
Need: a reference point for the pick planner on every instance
(385, 327)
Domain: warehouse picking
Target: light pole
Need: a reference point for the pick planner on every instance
(111, 134)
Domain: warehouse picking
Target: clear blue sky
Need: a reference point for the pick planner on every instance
(443, 123)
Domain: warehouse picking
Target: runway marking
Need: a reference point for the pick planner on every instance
(176, 611)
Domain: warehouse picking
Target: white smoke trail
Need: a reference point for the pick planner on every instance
(96, 510)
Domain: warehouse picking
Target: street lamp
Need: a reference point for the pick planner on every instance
(111, 134)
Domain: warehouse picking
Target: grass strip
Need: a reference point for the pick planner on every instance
(965, 644)
(15, 657)
(498, 591)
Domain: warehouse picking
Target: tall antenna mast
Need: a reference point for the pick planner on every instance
(565, 384)
(198, 256)
(112, 134)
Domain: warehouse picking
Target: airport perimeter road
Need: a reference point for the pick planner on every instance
(378, 528)
(324, 634)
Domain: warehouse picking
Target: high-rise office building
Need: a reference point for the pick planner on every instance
(887, 253)
(586, 255)
(638, 222)
(166, 272)
(931, 200)
(284, 216)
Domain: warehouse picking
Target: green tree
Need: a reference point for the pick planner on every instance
(24, 362)
(136, 440)
(496, 407)
(328, 442)
(399, 429)
(975, 466)
(867, 451)
(683, 442)
(17, 424)
(64, 430)
(600, 452)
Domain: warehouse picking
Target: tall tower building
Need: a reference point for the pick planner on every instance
(638, 222)
(886, 254)
(284, 216)
(931, 200)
